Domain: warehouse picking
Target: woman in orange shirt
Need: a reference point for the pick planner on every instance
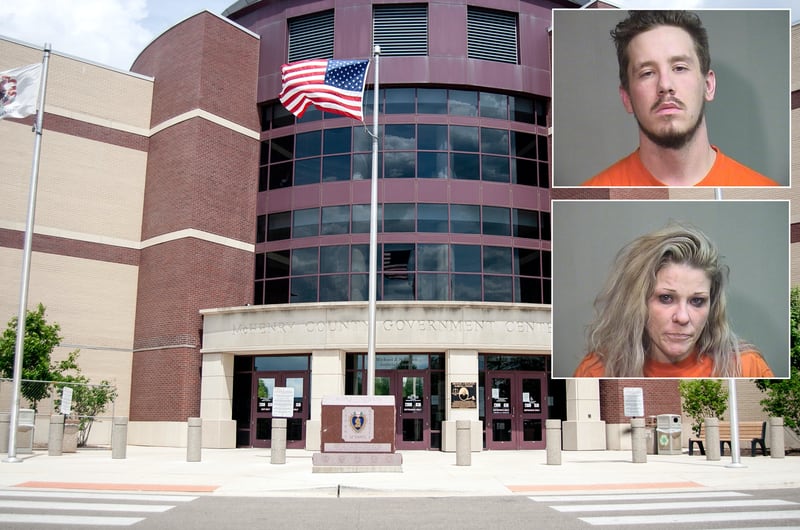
(662, 313)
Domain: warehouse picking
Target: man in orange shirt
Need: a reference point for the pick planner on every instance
(665, 81)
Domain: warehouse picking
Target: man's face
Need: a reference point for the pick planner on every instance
(667, 90)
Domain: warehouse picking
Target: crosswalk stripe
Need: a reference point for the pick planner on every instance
(691, 518)
(63, 520)
(89, 506)
(639, 496)
(739, 503)
(97, 496)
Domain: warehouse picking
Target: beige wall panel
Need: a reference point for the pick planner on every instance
(71, 169)
(795, 57)
(78, 89)
(16, 175)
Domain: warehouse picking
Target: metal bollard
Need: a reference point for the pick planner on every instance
(194, 440)
(712, 439)
(55, 435)
(638, 441)
(776, 444)
(277, 454)
(119, 437)
(553, 441)
(463, 443)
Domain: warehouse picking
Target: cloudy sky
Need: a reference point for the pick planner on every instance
(113, 32)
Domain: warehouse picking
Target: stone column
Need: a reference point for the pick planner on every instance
(712, 439)
(553, 441)
(776, 443)
(194, 440)
(638, 441)
(119, 437)
(277, 454)
(463, 445)
(55, 436)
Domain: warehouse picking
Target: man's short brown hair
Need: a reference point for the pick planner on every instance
(640, 21)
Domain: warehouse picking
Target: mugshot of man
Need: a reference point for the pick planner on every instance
(668, 84)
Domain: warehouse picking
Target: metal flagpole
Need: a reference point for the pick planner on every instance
(373, 233)
(733, 404)
(26, 265)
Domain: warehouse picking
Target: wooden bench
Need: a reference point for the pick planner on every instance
(749, 431)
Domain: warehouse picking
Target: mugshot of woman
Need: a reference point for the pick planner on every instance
(662, 313)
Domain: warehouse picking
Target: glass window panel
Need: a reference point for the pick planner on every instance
(497, 260)
(432, 137)
(334, 258)
(494, 105)
(398, 286)
(496, 221)
(466, 287)
(260, 266)
(540, 107)
(335, 220)
(498, 288)
(281, 149)
(305, 223)
(337, 140)
(277, 264)
(261, 228)
(304, 289)
(359, 258)
(334, 288)
(359, 287)
(400, 101)
(466, 258)
(432, 217)
(281, 117)
(464, 166)
(464, 138)
(335, 168)
(544, 175)
(494, 141)
(433, 286)
(305, 261)
(307, 171)
(463, 103)
(530, 290)
(263, 177)
(398, 259)
(361, 218)
(432, 165)
(369, 99)
(523, 144)
(547, 292)
(494, 168)
(279, 226)
(541, 147)
(431, 101)
(311, 114)
(308, 144)
(276, 291)
(258, 293)
(266, 116)
(362, 141)
(280, 175)
(398, 217)
(523, 172)
(465, 219)
(545, 220)
(546, 264)
(362, 166)
(280, 363)
(521, 109)
(526, 223)
(527, 262)
(264, 155)
(400, 165)
(399, 137)
(433, 257)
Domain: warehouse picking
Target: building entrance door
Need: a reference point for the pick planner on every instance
(264, 384)
(412, 400)
(515, 409)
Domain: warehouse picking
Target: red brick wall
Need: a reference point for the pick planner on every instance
(661, 396)
(201, 175)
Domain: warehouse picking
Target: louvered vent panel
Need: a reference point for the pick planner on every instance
(401, 29)
(492, 35)
(311, 37)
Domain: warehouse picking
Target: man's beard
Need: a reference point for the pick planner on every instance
(673, 139)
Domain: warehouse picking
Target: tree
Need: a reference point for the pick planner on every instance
(703, 398)
(783, 395)
(41, 339)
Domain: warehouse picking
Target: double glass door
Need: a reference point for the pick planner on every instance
(412, 403)
(264, 390)
(515, 410)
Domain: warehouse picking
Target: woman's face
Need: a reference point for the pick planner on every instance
(677, 311)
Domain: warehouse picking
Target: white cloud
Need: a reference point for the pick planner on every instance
(110, 32)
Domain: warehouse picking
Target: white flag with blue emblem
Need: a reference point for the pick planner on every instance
(19, 90)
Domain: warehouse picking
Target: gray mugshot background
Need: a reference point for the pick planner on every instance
(752, 237)
(748, 119)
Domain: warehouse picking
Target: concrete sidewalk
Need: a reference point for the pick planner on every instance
(248, 472)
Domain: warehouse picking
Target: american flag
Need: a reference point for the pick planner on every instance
(329, 84)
